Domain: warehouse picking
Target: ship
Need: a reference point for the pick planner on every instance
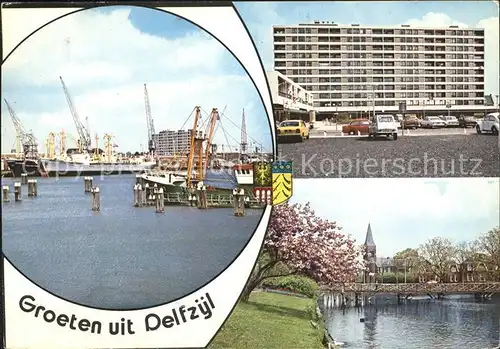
(75, 165)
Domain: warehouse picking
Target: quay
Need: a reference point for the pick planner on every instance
(213, 200)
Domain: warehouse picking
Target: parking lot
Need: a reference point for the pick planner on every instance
(336, 131)
(425, 153)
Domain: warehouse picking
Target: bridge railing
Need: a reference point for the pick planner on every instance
(414, 288)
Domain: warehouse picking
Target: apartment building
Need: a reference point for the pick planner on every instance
(170, 143)
(354, 69)
(290, 100)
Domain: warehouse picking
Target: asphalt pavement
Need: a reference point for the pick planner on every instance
(417, 156)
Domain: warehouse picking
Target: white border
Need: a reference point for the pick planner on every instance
(24, 331)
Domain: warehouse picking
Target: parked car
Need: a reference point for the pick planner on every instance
(383, 125)
(358, 126)
(449, 120)
(411, 122)
(293, 130)
(489, 124)
(467, 121)
(432, 122)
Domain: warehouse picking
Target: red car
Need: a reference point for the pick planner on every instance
(355, 126)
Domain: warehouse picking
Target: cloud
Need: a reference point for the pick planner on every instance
(405, 212)
(105, 59)
(433, 19)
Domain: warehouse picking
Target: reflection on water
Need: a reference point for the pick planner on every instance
(457, 322)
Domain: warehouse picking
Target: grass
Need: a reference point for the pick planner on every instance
(269, 320)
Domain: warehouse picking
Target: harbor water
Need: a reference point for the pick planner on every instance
(455, 322)
(122, 257)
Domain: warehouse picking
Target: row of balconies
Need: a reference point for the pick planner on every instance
(386, 103)
(314, 71)
(371, 39)
(372, 50)
(394, 95)
(373, 55)
(375, 31)
(321, 62)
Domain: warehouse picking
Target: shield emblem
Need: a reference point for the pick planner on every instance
(282, 181)
(263, 182)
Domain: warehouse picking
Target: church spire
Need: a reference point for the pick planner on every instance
(369, 242)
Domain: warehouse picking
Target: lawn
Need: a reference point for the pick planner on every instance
(269, 320)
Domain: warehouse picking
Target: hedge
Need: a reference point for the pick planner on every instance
(293, 283)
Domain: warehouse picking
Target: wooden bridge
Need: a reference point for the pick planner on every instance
(415, 288)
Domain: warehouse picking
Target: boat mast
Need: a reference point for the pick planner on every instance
(192, 145)
(213, 120)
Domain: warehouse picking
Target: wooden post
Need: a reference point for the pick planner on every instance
(239, 202)
(147, 193)
(32, 190)
(142, 195)
(202, 196)
(88, 184)
(160, 201)
(191, 199)
(96, 199)
(17, 192)
(136, 195)
(24, 178)
(6, 193)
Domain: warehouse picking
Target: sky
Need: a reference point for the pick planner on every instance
(105, 57)
(259, 17)
(410, 212)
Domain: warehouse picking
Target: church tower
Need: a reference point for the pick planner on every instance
(370, 256)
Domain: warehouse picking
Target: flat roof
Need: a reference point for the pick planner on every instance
(364, 26)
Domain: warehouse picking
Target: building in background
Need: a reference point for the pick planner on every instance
(355, 70)
(290, 100)
(172, 143)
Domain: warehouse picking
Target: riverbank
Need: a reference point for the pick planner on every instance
(270, 320)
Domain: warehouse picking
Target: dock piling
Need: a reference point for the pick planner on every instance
(6, 193)
(24, 178)
(136, 195)
(88, 184)
(96, 199)
(239, 202)
(17, 192)
(160, 201)
(202, 196)
(32, 187)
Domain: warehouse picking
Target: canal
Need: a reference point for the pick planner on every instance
(122, 257)
(456, 322)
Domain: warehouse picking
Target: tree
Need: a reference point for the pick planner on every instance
(489, 244)
(300, 243)
(407, 259)
(437, 255)
(465, 252)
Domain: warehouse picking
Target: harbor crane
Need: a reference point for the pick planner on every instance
(150, 123)
(84, 142)
(27, 139)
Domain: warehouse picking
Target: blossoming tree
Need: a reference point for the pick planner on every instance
(301, 243)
